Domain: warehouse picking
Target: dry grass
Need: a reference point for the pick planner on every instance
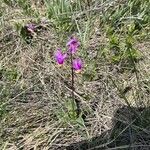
(34, 98)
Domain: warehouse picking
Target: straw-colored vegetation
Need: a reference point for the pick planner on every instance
(112, 91)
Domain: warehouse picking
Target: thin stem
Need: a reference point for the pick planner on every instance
(72, 86)
(75, 101)
(72, 77)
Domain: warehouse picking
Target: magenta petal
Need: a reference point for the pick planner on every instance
(60, 57)
(72, 41)
(77, 64)
(73, 45)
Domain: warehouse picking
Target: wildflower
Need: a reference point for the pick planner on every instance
(30, 27)
(60, 57)
(73, 44)
(77, 65)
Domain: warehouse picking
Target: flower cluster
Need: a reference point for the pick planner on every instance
(72, 46)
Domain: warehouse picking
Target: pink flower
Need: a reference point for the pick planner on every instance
(31, 27)
(77, 65)
(60, 57)
(73, 44)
